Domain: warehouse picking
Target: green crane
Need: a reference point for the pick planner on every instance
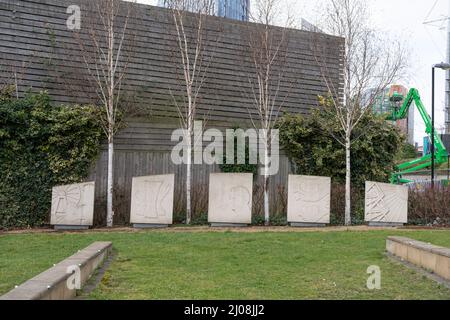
(440, 152)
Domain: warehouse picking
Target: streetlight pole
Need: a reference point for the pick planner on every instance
(432, 126)
(442, 66)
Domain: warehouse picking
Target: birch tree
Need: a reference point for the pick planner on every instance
(369, 63)
(267, 53)
(194, 60)
(104, 48)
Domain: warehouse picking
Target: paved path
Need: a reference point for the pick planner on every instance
(201, 229)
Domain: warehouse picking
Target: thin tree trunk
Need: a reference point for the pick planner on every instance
(107, 69)
(110, 213)
(189, 176)
(266, 185)
(110, 107)
(348, 186)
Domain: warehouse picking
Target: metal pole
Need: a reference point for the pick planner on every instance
(432, 129)
(447, 80)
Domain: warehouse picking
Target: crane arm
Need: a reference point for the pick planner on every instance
(440, 152)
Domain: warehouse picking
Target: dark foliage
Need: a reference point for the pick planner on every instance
(41, 146)
(311, 146)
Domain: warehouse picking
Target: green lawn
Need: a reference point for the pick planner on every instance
(168, 265)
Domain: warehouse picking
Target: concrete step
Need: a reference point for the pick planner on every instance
(57, 282)
(427, 256)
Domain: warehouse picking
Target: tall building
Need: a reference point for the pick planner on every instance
(232, 9)
(207, 6)
(446, 140)
(308, 26)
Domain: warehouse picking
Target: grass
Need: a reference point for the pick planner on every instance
(186, 265)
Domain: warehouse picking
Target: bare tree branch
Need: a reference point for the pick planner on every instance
(194, 60)
(370, 63)
(102, 41)
(267, 52)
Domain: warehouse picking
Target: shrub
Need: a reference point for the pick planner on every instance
(309, 143)
(338, 205)
(407, 152)
(200, 220)
(41, 146)
(429, 206)
(199, 205)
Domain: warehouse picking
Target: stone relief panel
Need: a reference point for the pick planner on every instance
(309, 199)
(230, 198)
(73, 205)
(152, 200)
(386, 203)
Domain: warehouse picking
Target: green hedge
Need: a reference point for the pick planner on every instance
(310, 144)
(41, 146)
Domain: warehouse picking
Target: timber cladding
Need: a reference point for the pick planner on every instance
(38, 51)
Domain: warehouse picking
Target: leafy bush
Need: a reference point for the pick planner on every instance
(407, 152)
(278, 220)
(41, 146)
(309, 143)
(200, 220)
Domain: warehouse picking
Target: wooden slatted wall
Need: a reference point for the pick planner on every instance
(38, 50)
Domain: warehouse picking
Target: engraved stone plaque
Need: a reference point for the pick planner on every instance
(152, 200)
(309, 200)
(73, 205)
(386, 203)
(230, 198)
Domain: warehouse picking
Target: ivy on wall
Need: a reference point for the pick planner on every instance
(41, 145)
(235, 167)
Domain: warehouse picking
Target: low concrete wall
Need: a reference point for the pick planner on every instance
(424, 255)
(52, 284)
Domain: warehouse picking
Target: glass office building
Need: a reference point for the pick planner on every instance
(232, 9)
(192, 5)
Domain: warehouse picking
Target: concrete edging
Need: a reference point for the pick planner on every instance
(427, 256)
(52, 283)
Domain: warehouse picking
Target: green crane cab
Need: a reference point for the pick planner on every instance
(399, 112)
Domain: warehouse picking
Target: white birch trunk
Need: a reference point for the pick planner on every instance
(266, 185)
(189, 175)
(107, 69)
(110, 183)
(110, 107)
(348, 189)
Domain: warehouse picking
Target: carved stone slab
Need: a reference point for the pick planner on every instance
(386, 203)
(230, 198)
(73, 205)
(152, 200)
(309, 199)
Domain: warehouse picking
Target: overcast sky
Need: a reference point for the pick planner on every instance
(403, 19)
